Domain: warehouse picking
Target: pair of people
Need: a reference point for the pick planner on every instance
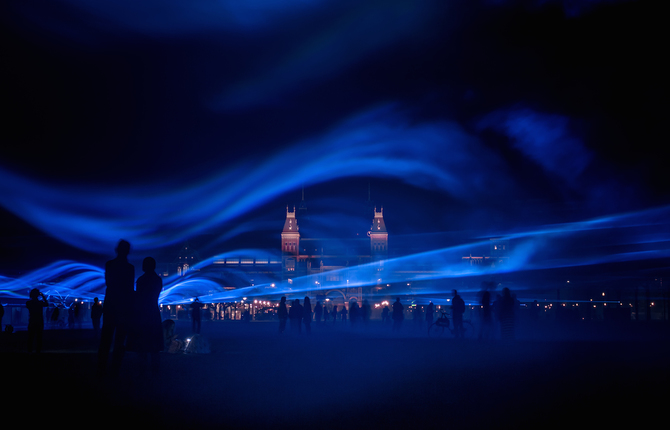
(298, 314)
(131, 317)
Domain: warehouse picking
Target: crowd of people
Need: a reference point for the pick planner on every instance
(139, 327)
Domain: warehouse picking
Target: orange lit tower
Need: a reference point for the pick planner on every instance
(379, 237)
(290, 242)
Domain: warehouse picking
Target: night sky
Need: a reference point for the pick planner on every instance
(165, 121)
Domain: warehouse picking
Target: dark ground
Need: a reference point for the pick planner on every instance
(337, 378)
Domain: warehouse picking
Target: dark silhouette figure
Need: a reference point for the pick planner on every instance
(96, 314)
(457, 311)
(325, 315)
(430, 312)
(77, 314)
(117, 308)
(295, 315)
(196, 315)
(318, 310)
(55, 315)
(343, 314)
(397, 315)
(366, 311)
(486, 313)
(148, 335)
(506, 315)
(335, 313)
(36, 319)
(282, 314)
(354, 313)
(385, 314)
(307, 315)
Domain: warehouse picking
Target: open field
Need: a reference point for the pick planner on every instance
(343, 378)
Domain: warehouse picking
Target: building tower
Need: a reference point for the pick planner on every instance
(379, 237)
(290, 242)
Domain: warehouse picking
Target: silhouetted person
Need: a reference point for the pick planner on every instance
(307, 315)
(343, 314)
(335, 313)
(366, 310)
(196, 315)
(96, 314)
(354, 313)
(55, 315)
(295, 315)
(457, 311)
(36, 319)
(318, 311)
(506, 315)
(325, 314)
(77, 314)
(486, 315)
(397, 315)
(282, 314)
(117, 308)
(430, 312)
(149, 329)
(385, 314)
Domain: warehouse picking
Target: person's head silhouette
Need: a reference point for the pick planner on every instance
(149, 265)
(123, 248)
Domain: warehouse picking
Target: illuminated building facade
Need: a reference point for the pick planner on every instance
(328, 260)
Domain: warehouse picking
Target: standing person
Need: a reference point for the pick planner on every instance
(282, 314)
(343, 313)
(334, 314)
(295, 315)
(486, 315)
(149, 329)
(96, 314)
(325, 314)
(457, 311)
(397, 315)
(430, 312)
(318, 310)
(196, 315)
(36, 319)
(354, 312)
(385, 314)
(366, 310)
(307, 315)
(120, 278)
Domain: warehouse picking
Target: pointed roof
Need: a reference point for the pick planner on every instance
(291, 223)
(378, 225)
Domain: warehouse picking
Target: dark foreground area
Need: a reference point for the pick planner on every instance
(255, 378)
